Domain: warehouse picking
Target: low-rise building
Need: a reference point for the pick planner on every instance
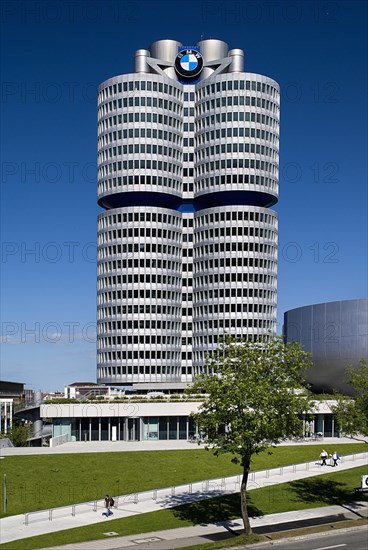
(159, 418)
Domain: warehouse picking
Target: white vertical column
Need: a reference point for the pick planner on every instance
(5, 418)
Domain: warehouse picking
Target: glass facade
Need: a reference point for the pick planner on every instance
(154, 428)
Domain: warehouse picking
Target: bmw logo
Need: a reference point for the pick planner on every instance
(189, 63)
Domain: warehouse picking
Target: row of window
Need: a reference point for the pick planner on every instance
(262, 309)
(135, 340)
(107, 219)
(154, 118)
(198, 341)
(141, 84)
(210, 152)
(202, 138)
(147, 82)
(240, 214)
(226, 323)
(113, 281)
(204, 182)
(201, 297)
(205, 167)
(218, 263)
(208, 295)
(176, 122)
(236, 231)
(148, 325)
(236, 116)
(241, 277)
(118, 310)
(165, 372)
(151, 355)
(116, 326)
(150, 133)
(197, 312)
(234, 164)
(134, 294)
(202, 280)
(234, 215)
(140, 101)
(206, 152)
(130, 232)
(236, 100)
(212, 182)
(143, 149)
(237, 246)
(198, 125)
(114, 250)
(229, 85)
(116, 265)
(157, 165)
(168, 280)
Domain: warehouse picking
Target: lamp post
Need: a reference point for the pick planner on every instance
(5, 500)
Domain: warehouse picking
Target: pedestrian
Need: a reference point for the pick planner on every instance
(107, 503)
(323, 456)
(335, 458)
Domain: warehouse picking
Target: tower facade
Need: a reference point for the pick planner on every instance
(188, 150)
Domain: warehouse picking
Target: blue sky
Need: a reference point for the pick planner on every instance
(55, 53)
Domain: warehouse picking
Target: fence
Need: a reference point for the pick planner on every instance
(193, 490)
(59, 440)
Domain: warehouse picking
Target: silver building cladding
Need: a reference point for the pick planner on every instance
(188, 149)
(336, 335)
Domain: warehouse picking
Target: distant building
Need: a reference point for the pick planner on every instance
(336, 334)
(13, 390)
(79, 390)
(49, 396)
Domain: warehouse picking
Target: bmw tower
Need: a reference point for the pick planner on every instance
(188, 148)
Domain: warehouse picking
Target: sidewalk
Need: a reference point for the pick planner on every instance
(161, 445)
(200, 534)
(67, 517)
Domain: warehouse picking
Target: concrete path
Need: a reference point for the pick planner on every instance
(161, 445)
(200, 534)
(67, 517)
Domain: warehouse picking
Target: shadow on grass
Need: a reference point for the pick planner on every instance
(319, 490)
(214, 510)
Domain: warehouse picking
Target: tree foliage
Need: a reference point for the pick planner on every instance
(252, 399)
(352, 413)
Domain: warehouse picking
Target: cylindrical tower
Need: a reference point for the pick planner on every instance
(187, 244)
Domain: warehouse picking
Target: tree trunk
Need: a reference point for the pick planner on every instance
(243, 494)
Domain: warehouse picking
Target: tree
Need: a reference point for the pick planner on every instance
(19, 434)
(352, 413)
(251, 400)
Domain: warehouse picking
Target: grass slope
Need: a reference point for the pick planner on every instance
(334, 488)
(39, 482)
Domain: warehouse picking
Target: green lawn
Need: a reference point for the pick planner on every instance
(334, 488)
(37, 482)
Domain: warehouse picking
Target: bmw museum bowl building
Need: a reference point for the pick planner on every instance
(336, 335)
(188, 149)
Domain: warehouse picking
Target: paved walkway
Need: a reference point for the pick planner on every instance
(67, 517)
(162, 445)
(201, 534)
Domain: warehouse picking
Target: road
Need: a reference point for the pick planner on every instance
(350, 540)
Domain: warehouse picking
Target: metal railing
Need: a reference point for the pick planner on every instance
(206, 488)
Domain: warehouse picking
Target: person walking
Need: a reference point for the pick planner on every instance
(323, 457)
(335, 458)
(107, 503)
